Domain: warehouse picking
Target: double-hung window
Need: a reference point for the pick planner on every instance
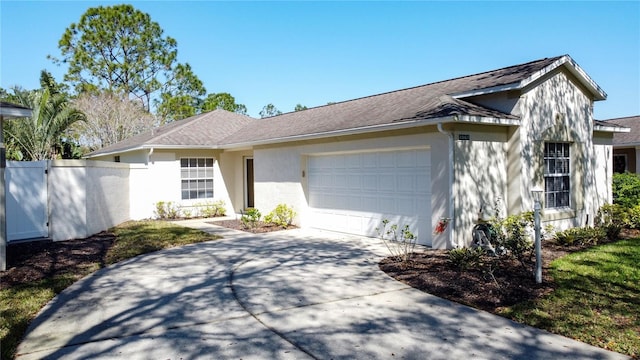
(197, 178)
(557, 177)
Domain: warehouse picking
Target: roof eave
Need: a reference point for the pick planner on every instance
(155, 147)
(345, 132)
(375, 128)
(567, 61)
(487, 120)
(611, 129)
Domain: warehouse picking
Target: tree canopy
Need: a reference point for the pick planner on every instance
(269, 110)
(120, 49)
(223, 101)
(40, 137)
(109, 119)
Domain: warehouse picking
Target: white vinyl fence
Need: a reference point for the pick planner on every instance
(65, 199)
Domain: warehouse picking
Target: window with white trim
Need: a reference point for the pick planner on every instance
(557, 176)
(197, 178)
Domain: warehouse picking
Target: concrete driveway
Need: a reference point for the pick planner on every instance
(296, 294)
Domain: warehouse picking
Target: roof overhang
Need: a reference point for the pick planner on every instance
(611, 129)
(397, 125)
(566, 61)
(9, 111)
(154, 147)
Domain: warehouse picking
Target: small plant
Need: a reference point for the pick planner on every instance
(281, 216)
(167, 210)
(399, 241)
(580, 236)
(251, 218)
(512, 235)
(612, 218)
(214, 209)
(466, 258)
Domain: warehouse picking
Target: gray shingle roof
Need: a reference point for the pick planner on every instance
(201, 131)
(431, 101)
(631, 138)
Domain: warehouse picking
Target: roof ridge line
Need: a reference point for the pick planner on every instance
(423, 85)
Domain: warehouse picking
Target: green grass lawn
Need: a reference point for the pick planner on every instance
(597, 300)
(20, 304)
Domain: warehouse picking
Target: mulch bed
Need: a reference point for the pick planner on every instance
(36, 260)
(431, 272)
(260, 228)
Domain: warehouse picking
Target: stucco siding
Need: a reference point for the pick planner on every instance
(86, 197)
(556, 110)
(480, 181)
(281, 171)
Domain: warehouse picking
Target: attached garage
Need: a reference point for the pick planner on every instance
(354, 192)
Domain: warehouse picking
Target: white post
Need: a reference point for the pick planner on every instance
(3, 218)
(536, 216)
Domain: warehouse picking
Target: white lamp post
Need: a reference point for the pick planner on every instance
(537, 194)
(7, 111)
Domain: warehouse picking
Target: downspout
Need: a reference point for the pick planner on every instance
(149, 156)
(450, 242)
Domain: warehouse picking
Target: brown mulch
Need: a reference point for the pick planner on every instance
(431, 272)
(260, 228)
(36, 260)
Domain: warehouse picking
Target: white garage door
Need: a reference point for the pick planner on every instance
(353, 193)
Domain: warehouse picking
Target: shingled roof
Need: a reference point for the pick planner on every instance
(631, 138)
(439, 101)
(204, 131)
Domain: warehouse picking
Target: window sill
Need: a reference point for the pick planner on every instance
(558, 214)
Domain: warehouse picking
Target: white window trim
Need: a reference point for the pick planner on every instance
(569, 206)
(212, 178)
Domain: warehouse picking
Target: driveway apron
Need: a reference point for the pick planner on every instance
(295, 294)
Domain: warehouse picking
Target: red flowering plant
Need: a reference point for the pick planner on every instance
(442, 226)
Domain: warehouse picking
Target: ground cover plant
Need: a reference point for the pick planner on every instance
(589, 292)
(37, 271)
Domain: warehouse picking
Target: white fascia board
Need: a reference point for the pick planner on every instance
(121, 151)
(488, 120)
(485, 91)
(613, 129)
(354, 131)
(573, 68)
(156, 147)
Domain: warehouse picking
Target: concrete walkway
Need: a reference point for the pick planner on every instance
(294, 294)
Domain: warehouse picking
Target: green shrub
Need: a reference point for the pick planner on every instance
(512, 235)
(581, 236)
(214, 209)
(282, 216)
(167, 210)
(466, 258)
(626, 189)
(251, 218)
(633, 217)
(612, 218)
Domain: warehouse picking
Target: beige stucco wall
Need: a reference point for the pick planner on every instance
(86, 197)
(279, 170)
(556, 110)
(231, 167)
(480, 177)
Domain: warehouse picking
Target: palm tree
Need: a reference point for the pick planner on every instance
(40, 136)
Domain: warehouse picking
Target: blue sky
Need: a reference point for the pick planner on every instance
(312, 53)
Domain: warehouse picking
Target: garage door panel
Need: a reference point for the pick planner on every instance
(362, 189)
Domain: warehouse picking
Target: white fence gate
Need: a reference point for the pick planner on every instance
(26, 190)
